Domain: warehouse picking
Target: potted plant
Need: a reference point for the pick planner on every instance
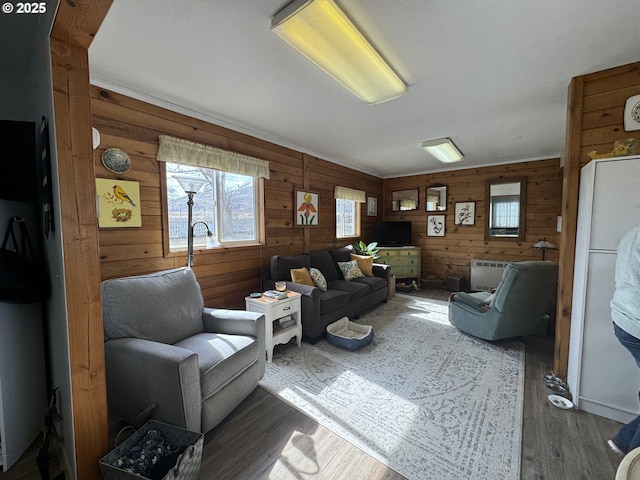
(370, 250)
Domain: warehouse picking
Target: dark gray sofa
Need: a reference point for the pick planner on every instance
(342, 298)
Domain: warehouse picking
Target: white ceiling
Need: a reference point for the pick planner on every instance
(492, 74)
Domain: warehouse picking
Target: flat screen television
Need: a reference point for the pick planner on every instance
(392, 234)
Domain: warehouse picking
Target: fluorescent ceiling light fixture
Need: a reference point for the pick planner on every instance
(324, 34)
(443, 149)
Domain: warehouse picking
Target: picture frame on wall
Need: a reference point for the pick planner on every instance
(465, 213)
(305, 209)
(118, 203)
(372, 206)
(435, 225)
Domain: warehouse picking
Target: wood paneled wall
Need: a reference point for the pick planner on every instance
(594, 122)
(452, 254)
(226, 274)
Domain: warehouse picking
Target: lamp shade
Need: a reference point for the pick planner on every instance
(190, 183)
(443, 150)
(543, 244)
(324, 34)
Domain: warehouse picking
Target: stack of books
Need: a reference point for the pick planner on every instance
(284, 322)
(275, 294)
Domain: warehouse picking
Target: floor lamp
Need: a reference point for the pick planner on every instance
(543, 245)
(191, 185)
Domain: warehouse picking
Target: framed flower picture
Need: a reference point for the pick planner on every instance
(306, 209)
(465, 213)
(435, 225)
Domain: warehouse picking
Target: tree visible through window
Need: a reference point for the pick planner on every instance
(227, 204)
(347, 218)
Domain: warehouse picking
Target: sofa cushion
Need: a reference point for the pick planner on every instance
(355, 290)
(374, 283)
(163, 306)
(322, 261)
(318, 279)
(221, 358)
(302, 276)
(333, 300)
(350, 270)
(281, 265)
(365, 264)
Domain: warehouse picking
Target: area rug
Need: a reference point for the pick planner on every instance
(423, 398)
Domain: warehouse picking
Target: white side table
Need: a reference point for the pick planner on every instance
(274, 310)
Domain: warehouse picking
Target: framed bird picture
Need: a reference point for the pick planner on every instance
(118, 203)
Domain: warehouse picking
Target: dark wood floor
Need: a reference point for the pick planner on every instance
(265, 438)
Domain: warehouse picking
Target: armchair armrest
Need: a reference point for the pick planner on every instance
(234, 322)
(467, 300)
(145, 377)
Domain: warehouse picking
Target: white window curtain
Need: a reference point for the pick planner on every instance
(178, 150)
(506, 211)
(344, 193)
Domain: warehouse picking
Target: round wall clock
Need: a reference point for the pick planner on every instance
(116, 160)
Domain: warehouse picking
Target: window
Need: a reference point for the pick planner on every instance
(228, 204)
(505, 212)
(347, 218)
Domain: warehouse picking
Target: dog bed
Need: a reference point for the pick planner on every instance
(349, 335)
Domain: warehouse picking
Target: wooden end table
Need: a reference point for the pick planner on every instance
(274, 310)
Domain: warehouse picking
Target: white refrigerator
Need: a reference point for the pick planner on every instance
(602, 375)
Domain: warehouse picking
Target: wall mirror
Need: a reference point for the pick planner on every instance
(436, 198)
(402, 200)
(505, 202)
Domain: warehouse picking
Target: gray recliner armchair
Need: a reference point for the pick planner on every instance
(518, 306)
(170, 358)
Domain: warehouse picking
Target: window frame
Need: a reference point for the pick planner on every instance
(357, 208)
(260, 223)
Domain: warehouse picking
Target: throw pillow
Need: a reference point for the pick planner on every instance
(365, 264)
(350, 270)
(301, 275)
(318, 279)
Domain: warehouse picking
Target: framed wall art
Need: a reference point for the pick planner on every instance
(435, 225)
(306, 209)
(465, 213)
(118, 203)
(372, 206)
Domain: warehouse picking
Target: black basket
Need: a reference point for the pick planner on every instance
(187, 465)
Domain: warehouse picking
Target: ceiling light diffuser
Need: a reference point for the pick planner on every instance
(443, 150)
(324, 34)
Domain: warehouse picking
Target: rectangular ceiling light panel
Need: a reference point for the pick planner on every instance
(324, 34)
(443, 149)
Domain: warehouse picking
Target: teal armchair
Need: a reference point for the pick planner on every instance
(518, 306)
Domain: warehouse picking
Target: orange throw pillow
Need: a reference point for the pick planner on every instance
(365, 264)
(301, 275)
